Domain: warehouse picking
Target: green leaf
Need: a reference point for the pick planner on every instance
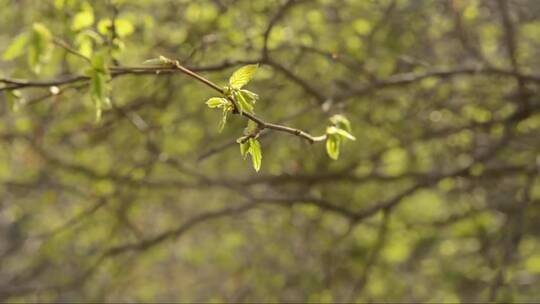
(252, 147)
(332, 146)
(249, 96)
(332, 130)
(345, 134)
(341, 122)
(256, 154)
(14, 99)
(117, 47)
(362, 26)
(251, 128)
(59, 4)
(85, 41)
(103, 26)
(216, 102)
(99, 83)
(243, 104)
(98, 92)
(42, 30)
(223, 121)
(334, 136)
(123, 27)
(244, 146)
(40, 46)
(99, 62)
(16, 47)
(242, 76)
(225, 104)
(82, 19)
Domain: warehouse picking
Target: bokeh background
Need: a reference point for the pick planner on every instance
(436, 201)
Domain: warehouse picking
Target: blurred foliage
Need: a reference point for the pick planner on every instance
(436, 199)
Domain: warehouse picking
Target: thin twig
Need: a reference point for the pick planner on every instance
(69, 49)
(262, 124)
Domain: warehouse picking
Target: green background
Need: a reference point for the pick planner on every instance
(437, 200)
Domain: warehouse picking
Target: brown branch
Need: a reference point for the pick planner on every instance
(397, 80)
(279, 14)
(69, 49)
(15, 84)
(302, 83)
(409, 78)
(372, 258)
(510, 34)
(511, 39)
(232, 143)
(464, 34)
(177, 232)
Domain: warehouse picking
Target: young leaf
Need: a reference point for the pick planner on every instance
(242, 76)
(345, 134)
(82, 19)
(341, 122)
(243, 104)
(99, 62)
(124, 27)
(256, 154)
(249, 96)
(332, 130)
(99, 83)
(14, 99)
(335, 134)
(223, 121)
(41, 30)
(216, 102)
(332, 146)
(98, 91)
(244, 147)
(40, 46)
(251, 128)
(16, 47)
(104, 26)
(86, 40)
